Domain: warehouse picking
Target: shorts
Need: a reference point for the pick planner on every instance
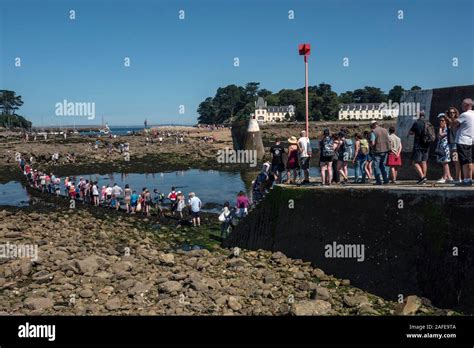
(194, 214)
(278, 168)
(325, 159)
(420, 155)
(464, 154)
(304, 163)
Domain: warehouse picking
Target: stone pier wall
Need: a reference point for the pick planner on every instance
(407, 250)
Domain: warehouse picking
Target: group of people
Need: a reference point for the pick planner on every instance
(376, 154)
(113, 196)
(453, 144)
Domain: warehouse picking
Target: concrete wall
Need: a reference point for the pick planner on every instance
(407, 251)
(433, 102)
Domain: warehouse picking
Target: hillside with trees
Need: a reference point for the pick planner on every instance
(238, 102)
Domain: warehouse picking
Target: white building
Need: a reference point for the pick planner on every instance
(267, 114)
(367, 111)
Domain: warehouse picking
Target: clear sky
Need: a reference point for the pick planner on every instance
(181, 62)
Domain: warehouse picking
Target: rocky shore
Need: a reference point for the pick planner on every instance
(89, 265)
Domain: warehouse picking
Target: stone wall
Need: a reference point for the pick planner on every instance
(407, 251)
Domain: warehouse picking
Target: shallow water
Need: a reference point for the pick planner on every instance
(13, 193)
(213, 187)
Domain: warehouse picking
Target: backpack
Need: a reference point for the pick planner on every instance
(348, 150)
(328, 147)
(364, 146)
(428, 135)
(173, 196)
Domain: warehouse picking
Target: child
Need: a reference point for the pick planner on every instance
(181, 204)
(224, 218)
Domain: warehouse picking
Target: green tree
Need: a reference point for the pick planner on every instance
(415, 88)
(207, 111)
(227, 101)
(295, 98)
(346, 97)
(395, 93)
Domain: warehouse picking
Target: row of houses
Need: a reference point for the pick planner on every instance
(364, 111)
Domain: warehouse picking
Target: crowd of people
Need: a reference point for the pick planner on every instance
(376, 154)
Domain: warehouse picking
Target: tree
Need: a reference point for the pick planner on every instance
(395, 94)
(295, 98)
(415, 88)
(9, 102)
(264, 93)
(227, 100)
(207, 111)
(346, 97)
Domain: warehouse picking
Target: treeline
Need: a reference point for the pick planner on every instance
(238, 102)
(9, 104)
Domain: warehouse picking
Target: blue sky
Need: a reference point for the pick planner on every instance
(181, 62)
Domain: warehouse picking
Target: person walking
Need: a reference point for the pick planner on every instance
(304, 152)
(361, 149)
(292, 163)
(394, 159)
(424, 135)
(454, 113)
(465, 139)
(195, 205)
(380, 141)
(443, 154)
(278, 168)
(326, 146)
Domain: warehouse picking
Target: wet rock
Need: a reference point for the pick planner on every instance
(356, 300)
(410, 306)
(320, 293)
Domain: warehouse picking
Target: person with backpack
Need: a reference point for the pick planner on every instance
(361, 150)
(342, 154)
(380, 141)
(326, 145)
(424, 134)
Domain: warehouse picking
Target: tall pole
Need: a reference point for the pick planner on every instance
(306, 90)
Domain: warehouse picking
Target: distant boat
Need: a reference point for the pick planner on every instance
(105, 130)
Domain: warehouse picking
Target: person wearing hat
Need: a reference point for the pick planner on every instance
(443, 153)
(380, 141)
(292, 164)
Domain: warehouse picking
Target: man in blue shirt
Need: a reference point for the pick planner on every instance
(195, 204)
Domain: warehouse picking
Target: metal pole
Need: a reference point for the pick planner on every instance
(306, 88)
